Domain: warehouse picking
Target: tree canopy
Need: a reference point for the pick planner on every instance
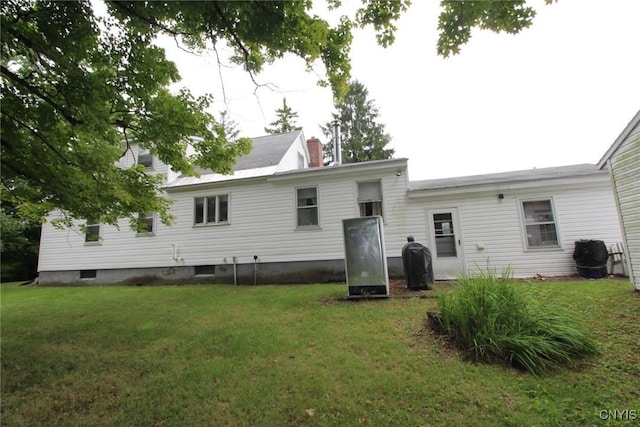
(362, 136)
(285, 120)
(459, 17)
(78, 88)
(19, 243)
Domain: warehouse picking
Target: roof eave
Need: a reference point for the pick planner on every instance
(619, 140)
(340, 169)
(505, 185)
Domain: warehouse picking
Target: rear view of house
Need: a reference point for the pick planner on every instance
(278, 219)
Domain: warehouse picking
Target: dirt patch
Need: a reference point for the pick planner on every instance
(397, 288)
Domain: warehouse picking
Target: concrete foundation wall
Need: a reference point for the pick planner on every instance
(245, 274)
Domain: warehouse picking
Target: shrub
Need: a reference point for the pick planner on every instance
(490, 317)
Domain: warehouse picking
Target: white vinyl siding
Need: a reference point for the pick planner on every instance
(265, 215)
(132, 157)
(625, 163)
(491, 229)
(263, 224)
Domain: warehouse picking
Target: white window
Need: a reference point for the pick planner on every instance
(211, 210)
(92, 232)
(307, 206)
(145, 159)
(540, 224)
(445, 235)
(146, 224)
(301, 161)
(370, 198)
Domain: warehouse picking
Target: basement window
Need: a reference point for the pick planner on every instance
(205, 270)
(88, 274)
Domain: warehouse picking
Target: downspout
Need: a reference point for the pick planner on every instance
(337, 146)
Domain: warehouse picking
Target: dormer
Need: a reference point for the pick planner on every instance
(137, 155)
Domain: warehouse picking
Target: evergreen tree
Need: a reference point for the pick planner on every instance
(229, 125)
(363, 137)
(75, 84)
(285, 120)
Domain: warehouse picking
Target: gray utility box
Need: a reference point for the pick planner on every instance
(365, 259)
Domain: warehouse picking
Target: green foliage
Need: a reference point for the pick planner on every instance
(285, 120)
(492, 317)
(76, 91)
(19, 242)
(362, 137)
(458, 18)
(79, 87)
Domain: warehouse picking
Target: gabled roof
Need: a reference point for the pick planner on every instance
(267, 150)
(508, 177)
(620, 139)
(265, 156)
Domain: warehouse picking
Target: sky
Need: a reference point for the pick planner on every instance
(558, 93)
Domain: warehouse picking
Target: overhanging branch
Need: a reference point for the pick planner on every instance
(40, 94)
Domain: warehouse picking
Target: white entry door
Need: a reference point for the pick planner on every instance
(445, 243)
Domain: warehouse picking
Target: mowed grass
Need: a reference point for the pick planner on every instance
(293, 356)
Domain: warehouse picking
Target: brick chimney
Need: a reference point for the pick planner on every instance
(315, 152)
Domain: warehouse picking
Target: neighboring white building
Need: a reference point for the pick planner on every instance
(623, 161)
(278, 219)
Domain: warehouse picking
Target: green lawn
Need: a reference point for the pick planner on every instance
(293, 356)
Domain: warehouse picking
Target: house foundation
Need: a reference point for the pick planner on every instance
(300, 272)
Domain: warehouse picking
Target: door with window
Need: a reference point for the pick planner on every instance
(445, 243)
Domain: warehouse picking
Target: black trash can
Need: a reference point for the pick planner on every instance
(418, 271)
(591, 258)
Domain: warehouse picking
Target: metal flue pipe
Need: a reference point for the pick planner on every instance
(337, 146)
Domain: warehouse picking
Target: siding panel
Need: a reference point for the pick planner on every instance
(625, 171)
(262, 222)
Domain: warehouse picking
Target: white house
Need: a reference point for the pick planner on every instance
(623, 162)
(278, 219)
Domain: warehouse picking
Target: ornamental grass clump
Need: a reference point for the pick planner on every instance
(494, 318)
